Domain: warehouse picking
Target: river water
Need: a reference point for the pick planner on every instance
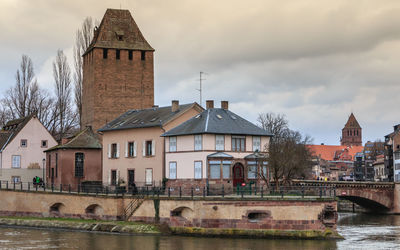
(362, 231)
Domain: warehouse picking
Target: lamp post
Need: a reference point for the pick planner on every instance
(44, 162)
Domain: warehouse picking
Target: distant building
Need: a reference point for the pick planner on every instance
(215, 148)
(22, 142)
(351, 133)
(118, 71)
(392, 154)
(133, 149)
(379, 168)
(77, 160)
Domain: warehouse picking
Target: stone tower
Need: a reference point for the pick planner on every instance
(118, 71)
(351, 133)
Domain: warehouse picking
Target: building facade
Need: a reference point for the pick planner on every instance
(215, 148)
(133, 149)
(118, 71)
(379, 168)
(22, 142)
(351, 133)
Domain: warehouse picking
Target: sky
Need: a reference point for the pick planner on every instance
(314, 61)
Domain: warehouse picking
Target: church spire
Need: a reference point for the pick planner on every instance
(352, 132)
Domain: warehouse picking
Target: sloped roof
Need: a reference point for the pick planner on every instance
(217, 121)
(85, 139)
(219, 155)
(119, 23)
(352, 122)
(144, 118)
(327, 152)
(11, 129)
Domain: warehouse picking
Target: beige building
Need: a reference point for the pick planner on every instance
(133, 149)
(216, 147)
(22, 142)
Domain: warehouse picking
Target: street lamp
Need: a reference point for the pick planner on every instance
(44, 162)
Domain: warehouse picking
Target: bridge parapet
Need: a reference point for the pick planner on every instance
(347, 184)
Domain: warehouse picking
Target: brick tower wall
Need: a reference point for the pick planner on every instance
(112, 86)
(351, 137)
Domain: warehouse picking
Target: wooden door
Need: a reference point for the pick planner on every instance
(238, 174)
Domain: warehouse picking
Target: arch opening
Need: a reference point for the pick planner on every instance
(183, 212)
(94, 210)
(368, 204)
(57, 207)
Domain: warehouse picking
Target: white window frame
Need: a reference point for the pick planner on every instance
(198, 170)
(257, 143)
(172, 144)
(14, 178)
(148, 176)
(220, 142)
(16, 161)
(172, 170)
(198, 142)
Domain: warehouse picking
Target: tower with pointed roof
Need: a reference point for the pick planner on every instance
(118, 71)
(351, 133)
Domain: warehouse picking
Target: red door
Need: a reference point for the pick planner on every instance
(238, 174)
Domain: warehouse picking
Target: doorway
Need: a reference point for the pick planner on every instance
(238, 174)
(131, 178)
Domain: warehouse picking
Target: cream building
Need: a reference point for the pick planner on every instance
(22, 142)
(133, 149)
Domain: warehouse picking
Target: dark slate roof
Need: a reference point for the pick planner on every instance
(11, 129)
(85, 139)
(119, 22)
(217, 121)
(144, 118)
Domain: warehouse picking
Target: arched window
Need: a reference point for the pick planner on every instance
(79, 163)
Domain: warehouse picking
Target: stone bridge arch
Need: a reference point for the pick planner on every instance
(377, 201)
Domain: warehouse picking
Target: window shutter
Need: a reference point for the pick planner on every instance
(134, 149)
(126, 149)
(109, 175)
(118, 176)
(109, 151)
(144, 148)
(117, 150)
(153, 147)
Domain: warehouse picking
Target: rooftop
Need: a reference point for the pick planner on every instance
(85, 139)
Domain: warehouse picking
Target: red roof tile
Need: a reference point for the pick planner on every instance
(327, 152)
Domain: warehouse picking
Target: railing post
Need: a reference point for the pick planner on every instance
(191, 191)
(69, 188)
(21, 185)
(242, 193)
(52, 188)
(169, 191)
(29, 186)
(320, 192)
(6, 184)
(281, 192)
(334, 192)
(61, 188)
(14, 185)
(180, 191)
(147, 191)
(262, 191)
(223, 190)
(204, 191)
(255, 188)
(79, 188)
(0, 184)
(36, 187)
(44, 187)
(302, 191)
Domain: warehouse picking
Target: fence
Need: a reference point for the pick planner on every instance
(294, 191)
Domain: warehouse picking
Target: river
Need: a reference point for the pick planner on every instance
(361, 231)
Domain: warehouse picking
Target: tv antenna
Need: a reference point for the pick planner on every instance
(201, 79)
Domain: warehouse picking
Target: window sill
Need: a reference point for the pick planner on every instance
(149, 156)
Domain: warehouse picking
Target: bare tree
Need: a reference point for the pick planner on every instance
(288, 157)
(4, 116)
(65, 116)
(82, 41)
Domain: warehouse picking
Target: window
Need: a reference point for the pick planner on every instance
(220, 142)
(130, 149)
(143, 55)
(130, 55)
(397, 178)
(24, 143)
(198, 169)
(172, 144)
(198, 142)
(79, 159)
(252, 172)
(44, 143)
(117, 54)
(148, 150)
(215, 171)
(16, 179)
(397, 155)
(397, 166)
(149, 176)
(114, 150)
(256, 143)
(105, 53)
(226, 170)
(16, 161)
(172, 170)
(238, 143)
(113, 177)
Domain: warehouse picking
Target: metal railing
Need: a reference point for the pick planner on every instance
(249, 191)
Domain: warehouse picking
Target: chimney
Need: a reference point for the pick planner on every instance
(224, 105)
(175, 106)
(209, 104)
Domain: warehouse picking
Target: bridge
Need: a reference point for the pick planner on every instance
(382, 197)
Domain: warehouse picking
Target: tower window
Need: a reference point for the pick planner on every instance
(120, 38)
(117, 54)
(105, 53)
(130, 55)
(143, 55)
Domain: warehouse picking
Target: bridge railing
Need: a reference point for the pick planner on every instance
(288, 192)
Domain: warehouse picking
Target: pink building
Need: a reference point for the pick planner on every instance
(22, 142)
(216, 147)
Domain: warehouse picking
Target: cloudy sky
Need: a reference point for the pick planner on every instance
(314, 61)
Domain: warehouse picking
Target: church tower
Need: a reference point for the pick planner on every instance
(118, 70)
(351, 133)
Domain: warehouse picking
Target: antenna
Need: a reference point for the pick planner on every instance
(201, 79)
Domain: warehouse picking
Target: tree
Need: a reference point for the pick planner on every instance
(82, 41)
(287, 157)
(65, 118)
(26, 97)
